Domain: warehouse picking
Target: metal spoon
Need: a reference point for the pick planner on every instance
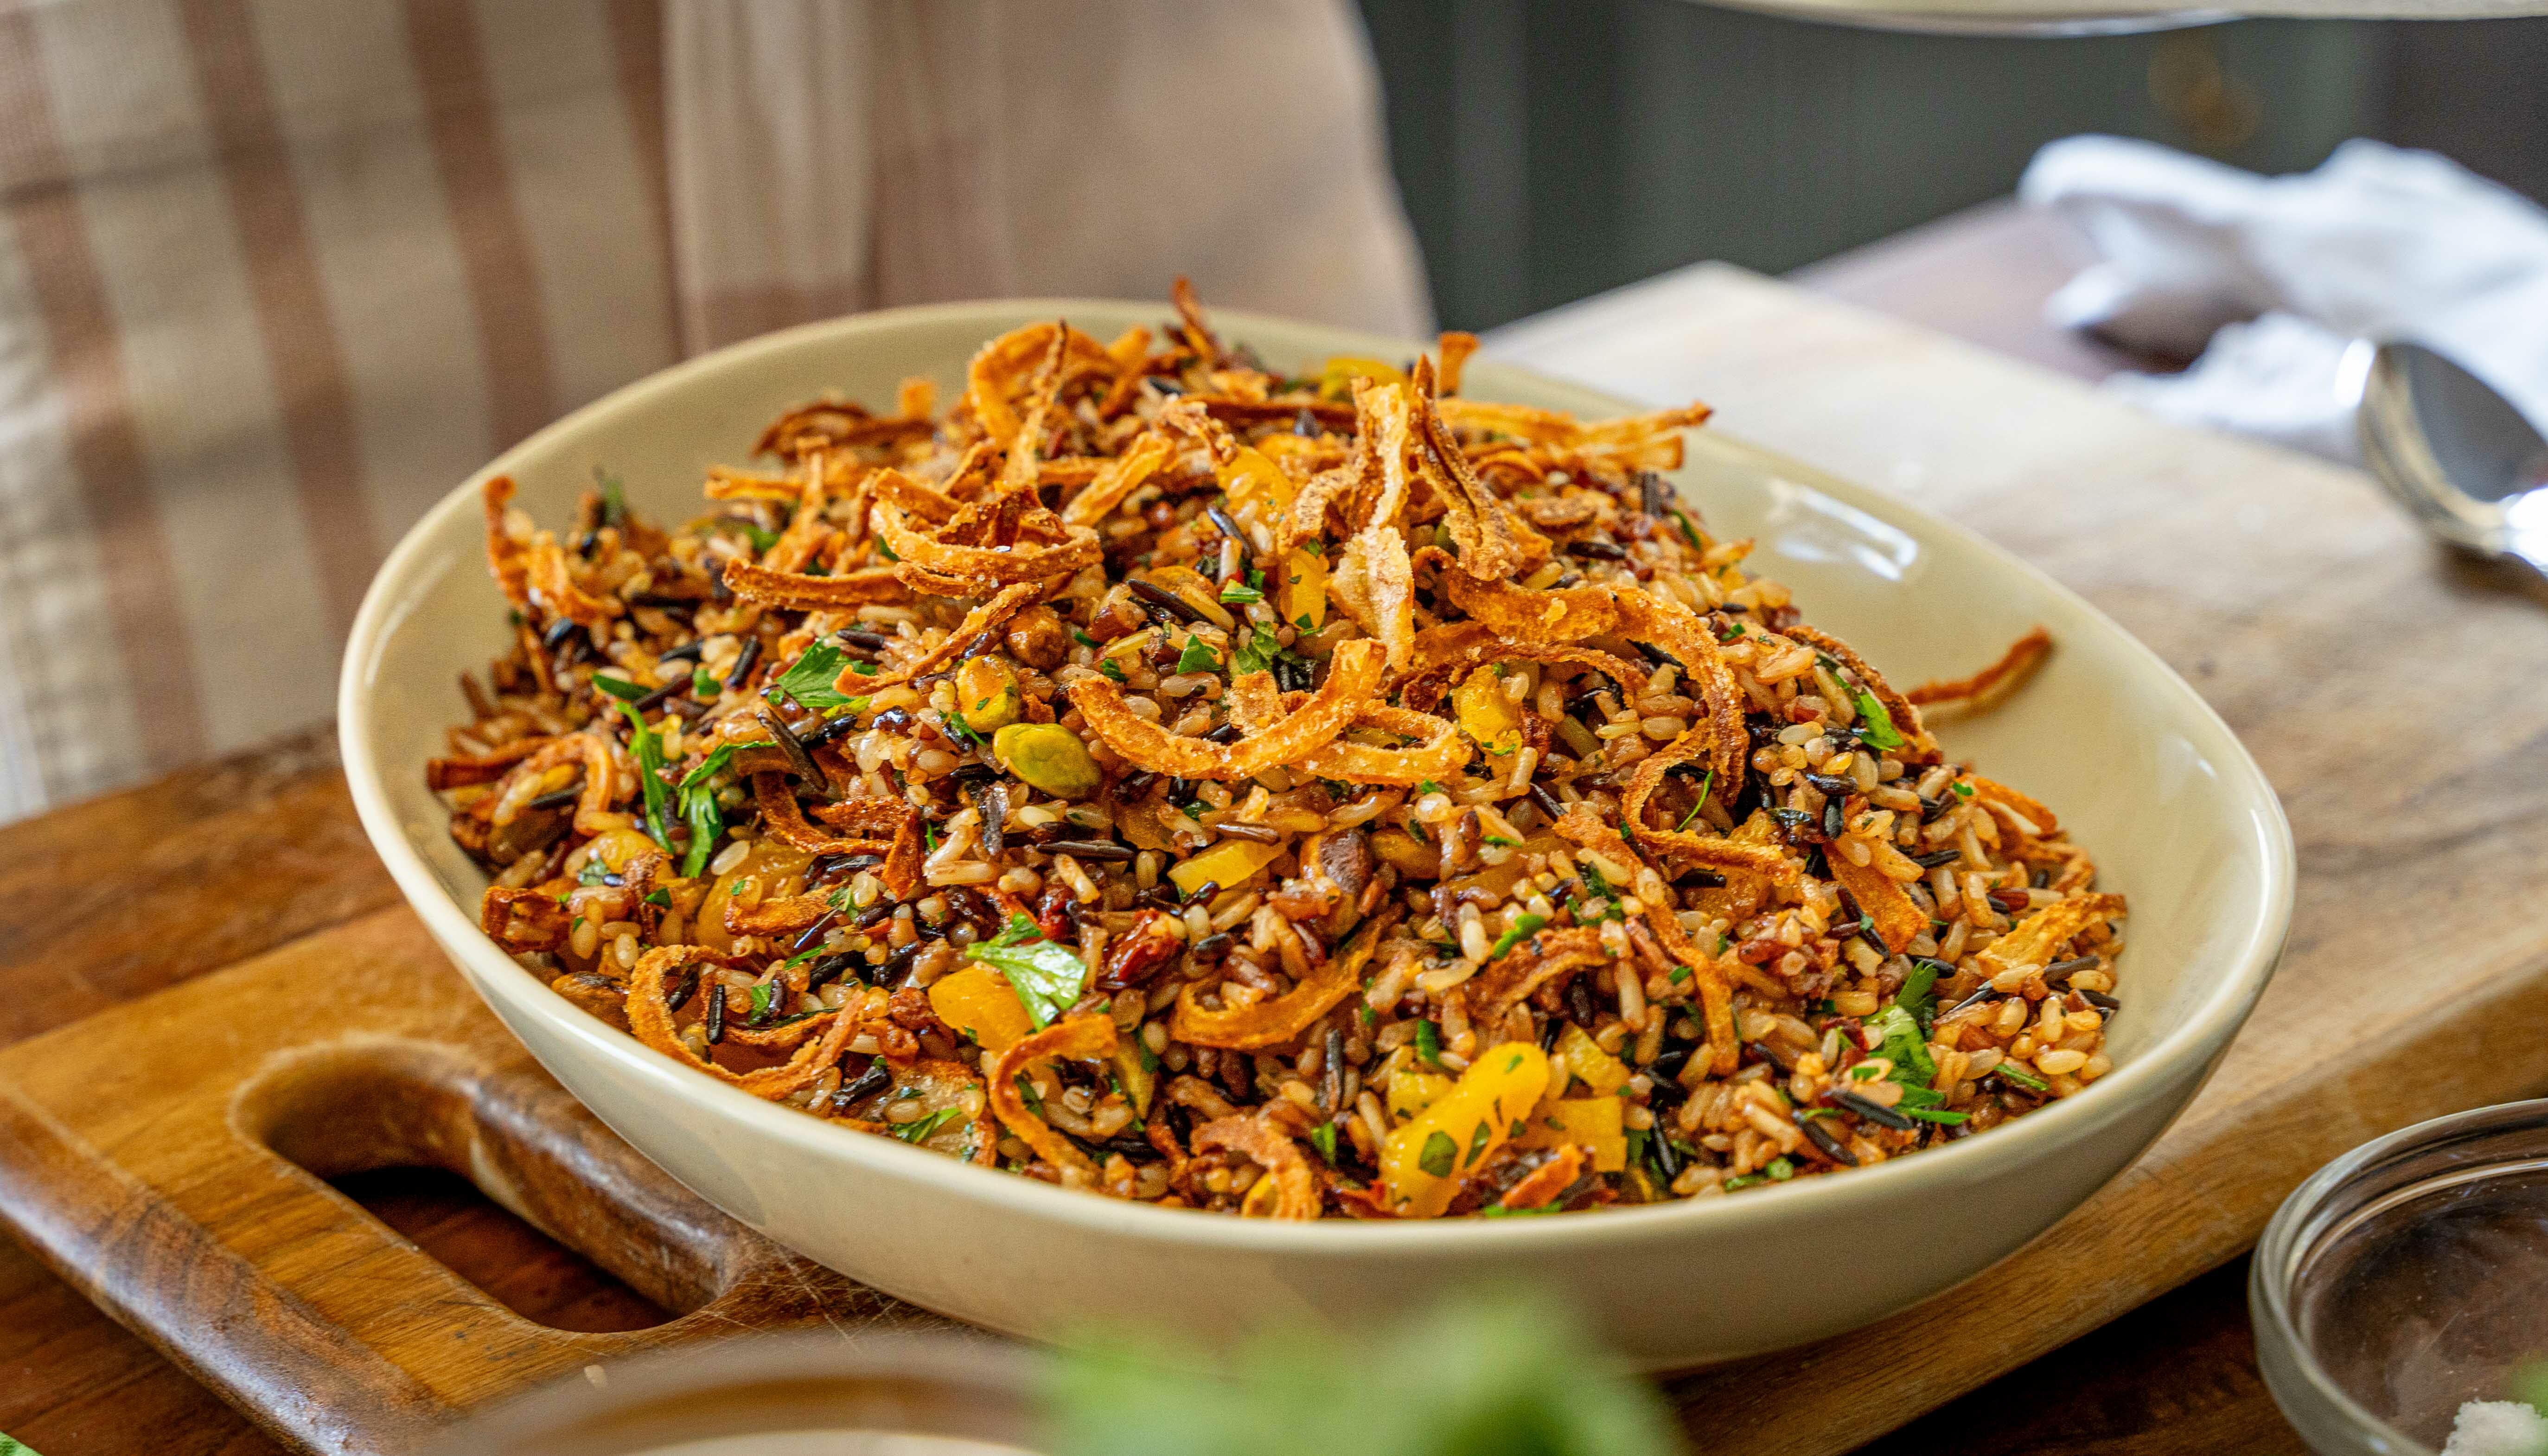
(2453, 452)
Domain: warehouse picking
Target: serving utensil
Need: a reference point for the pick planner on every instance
(2451, 450)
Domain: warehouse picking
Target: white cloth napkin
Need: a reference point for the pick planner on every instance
(2279, 275)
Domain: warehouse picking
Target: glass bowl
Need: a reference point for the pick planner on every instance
(2404, 1278)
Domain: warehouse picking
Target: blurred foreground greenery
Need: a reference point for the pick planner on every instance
(1502, 1374)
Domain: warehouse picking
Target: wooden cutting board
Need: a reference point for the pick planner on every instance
(2397, 699)
(168, 1158)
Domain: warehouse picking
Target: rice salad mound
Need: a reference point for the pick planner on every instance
(1297, 795)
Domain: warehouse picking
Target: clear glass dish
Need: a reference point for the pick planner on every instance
(2404, 1278)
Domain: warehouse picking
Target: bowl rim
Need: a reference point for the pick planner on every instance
(2200, 1037)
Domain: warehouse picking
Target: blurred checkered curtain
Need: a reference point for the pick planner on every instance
(275, 274)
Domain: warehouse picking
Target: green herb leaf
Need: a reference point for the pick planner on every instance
(764, 996)
(1478, 1140)
(592, 872)
(649, 753)
(809, 678)
(922, 1130)
(2021, 1077)
(1905, 1046)
(703, 686)
(1428, 1044)
(1778, 1169)
(1197, 658)
(1875, 725)
(1680, 974)
(1111, 669)
(1440, 1156)
(1962, 790)
(885, 551)
(1236, 594)
(1256, 655)
(1048, 978)
(1498, 1211)
(1324, 1138)
(614, 500)
(663, 899)
(620, 688)
(1085, 640)
(1523, 924)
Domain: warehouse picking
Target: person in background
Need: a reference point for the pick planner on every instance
(277, 274)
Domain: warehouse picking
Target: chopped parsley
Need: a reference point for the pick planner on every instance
(1111, 669)
(1962, 790)
(649, 752)
(1522, 925)
(620, 688)
(809, 680)
(2029, 1079)
(1874, 724)
(614, 499)
(922, 1130)
(1085, 640)
(1428, 1044)
(1257, 654)
(1324, 1138)
(1440, 1156)
(1197, 658)
(1239, 593)
(1048, 978)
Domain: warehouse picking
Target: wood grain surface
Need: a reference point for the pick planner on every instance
(2391, 694)
(169, 1157)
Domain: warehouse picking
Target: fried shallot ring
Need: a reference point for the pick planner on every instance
(776, 917)
(1494, 546)
(592, 812)
(1374, 585)
(1354, 681)
(1455, 348)
(1992, 685)
(2035, 939)
(1296, 1187)
(1119, 478)
(801, 591)
(1274, 1023)
(1588, 830)
(1713, 850)
(1012, 354)
(1085, 1037)
(651, 1020)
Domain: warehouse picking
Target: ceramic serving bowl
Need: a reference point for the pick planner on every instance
(2145, 774)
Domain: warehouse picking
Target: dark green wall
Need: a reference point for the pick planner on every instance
(1552, 148)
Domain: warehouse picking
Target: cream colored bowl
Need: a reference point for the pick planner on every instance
(2146, 776)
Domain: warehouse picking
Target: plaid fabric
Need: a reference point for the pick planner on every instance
(274, 274)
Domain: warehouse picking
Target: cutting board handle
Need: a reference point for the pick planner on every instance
(363, 1104)
(170, 1160)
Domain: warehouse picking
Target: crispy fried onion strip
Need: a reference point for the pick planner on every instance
(1437, 753)
(553, 586)
(1544, 958)
(1580, 612)
(1274, 1023)
(1493, 545)
(1878, 895)
(1119, 478)
(1296, 1187)
(523, 920)
(776, 917)
(986, 564)
(2039, 938)
(1711, 850)
(1374, 585)
(1085, 1037)
(652, 1022)
(799, 591)
(1003, 604)
(504, 555)
(1447, 652)
(892, 826)
(1455, 347)
(485, 767)
(1353, 683)
(1010, 364)
(1707, 974)
(1991, 685)
(1918, 746)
